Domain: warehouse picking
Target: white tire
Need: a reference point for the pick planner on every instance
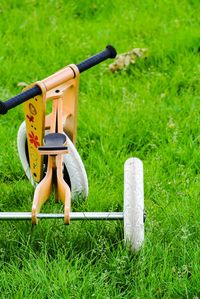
(72, 162)
(134, 203)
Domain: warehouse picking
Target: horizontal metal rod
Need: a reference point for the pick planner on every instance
(73, 216)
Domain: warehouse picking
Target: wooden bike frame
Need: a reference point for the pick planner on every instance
(62, 89)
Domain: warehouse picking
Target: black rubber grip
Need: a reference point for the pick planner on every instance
(109, 52)
(20, 98)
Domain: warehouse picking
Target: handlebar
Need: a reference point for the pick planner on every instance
(19, 99)
(109, 52)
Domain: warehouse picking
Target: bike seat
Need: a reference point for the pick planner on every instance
(54, 142)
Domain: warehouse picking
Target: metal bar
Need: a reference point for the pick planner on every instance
(73, 216)
(97, 215)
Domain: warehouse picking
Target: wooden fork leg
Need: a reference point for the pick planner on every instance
(63, 190)
(42, 191)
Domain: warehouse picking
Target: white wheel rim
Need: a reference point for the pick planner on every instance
(134, 203)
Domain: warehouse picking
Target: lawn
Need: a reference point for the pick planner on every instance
(149, 111)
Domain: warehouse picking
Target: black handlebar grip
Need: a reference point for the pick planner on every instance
(109, 52)
(20, 98)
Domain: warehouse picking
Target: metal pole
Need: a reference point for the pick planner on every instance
(73, 216)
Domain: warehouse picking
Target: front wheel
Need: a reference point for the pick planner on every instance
(134, 203)
(74, 171)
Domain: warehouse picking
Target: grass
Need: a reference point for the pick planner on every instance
(150, 111)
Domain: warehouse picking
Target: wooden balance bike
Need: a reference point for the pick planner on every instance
(46, 146)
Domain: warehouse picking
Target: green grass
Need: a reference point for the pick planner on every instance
(150, 111)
